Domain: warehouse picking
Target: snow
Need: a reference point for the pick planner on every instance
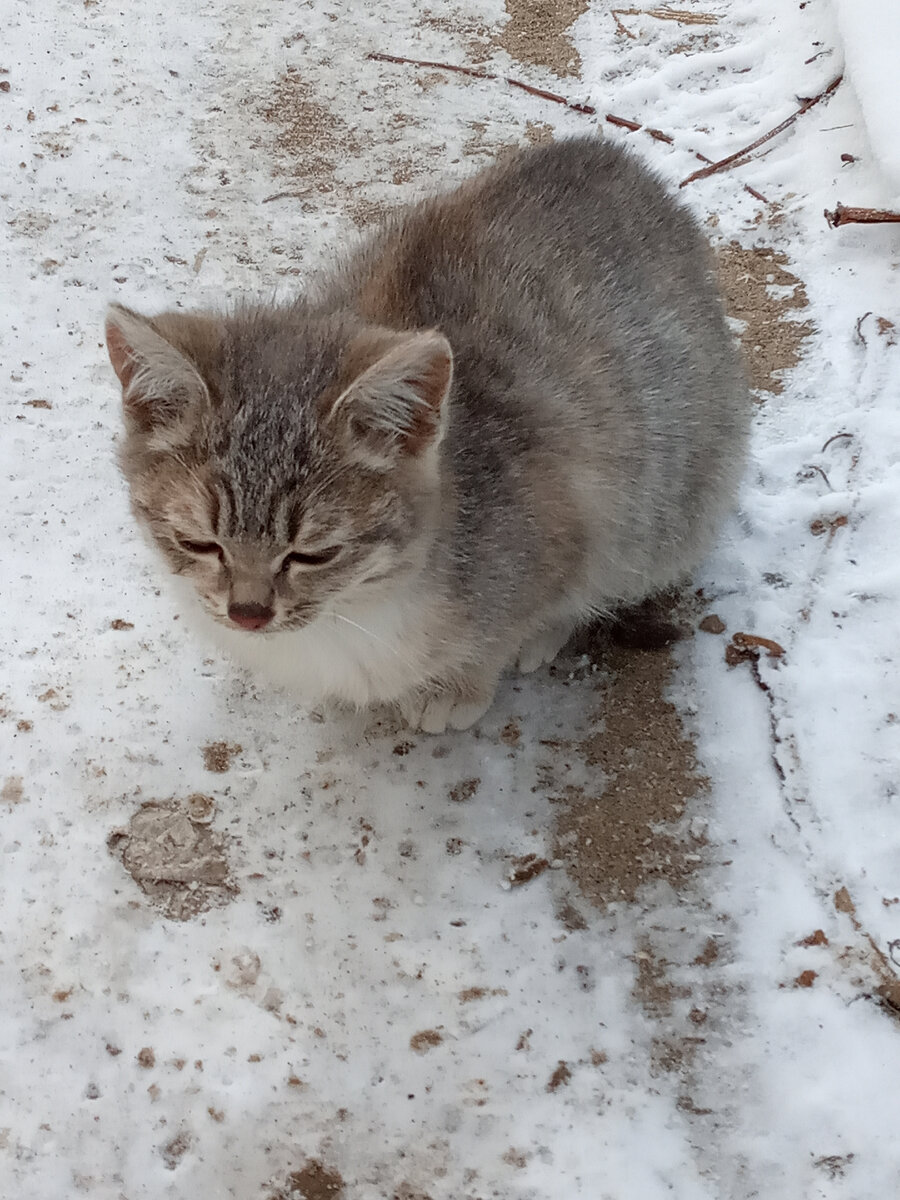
(370, 903)
(870, 31)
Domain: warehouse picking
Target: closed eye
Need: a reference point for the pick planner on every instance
(200, 548)
(312, 558)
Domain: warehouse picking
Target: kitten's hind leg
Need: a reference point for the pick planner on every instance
(542, 648)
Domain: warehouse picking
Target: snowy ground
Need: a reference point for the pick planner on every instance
(375, 993)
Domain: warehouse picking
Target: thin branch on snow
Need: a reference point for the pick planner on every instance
(846, 215)
(888, 989)
(475, 73)
(818, 470)
(724, 163)
(862, 340)
(836, 436)
(659, 136)
(284, 195)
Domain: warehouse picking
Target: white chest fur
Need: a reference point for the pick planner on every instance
(370, 655)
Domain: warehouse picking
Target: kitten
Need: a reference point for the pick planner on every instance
(516, 405)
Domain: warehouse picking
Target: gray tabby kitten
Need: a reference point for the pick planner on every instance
(516, 406)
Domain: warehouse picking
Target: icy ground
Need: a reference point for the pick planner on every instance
(244, 954)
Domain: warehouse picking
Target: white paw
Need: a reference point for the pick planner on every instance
(436, 714)
(542, 648)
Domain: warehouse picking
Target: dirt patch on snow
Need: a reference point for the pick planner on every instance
(475, 34)
(217, 756)
(425, 1040)
(536, 33)
(312, 139)
(772, 341)
(13, 790)
(314, 1181)
(175, 858)
(631, 829)
(653, 989)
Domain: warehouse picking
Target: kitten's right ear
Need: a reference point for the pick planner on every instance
(158, 381)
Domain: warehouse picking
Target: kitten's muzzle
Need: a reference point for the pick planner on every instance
(250, 616)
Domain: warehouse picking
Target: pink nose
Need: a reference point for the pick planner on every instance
(250, 616)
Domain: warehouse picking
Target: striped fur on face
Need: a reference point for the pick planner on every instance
(263, 477)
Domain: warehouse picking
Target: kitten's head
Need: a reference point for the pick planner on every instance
(286, 463)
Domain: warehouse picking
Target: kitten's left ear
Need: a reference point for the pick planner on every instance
(397, 406)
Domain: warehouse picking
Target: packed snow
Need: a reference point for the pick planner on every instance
(870, 35)
(249, 953)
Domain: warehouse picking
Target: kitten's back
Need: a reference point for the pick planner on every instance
(588, 337)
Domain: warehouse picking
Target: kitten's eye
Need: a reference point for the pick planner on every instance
(200, 548)
(316, 558)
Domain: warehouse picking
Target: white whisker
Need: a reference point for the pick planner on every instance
(375, 638)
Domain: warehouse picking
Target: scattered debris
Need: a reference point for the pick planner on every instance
(217, 756)
(712, 624)
(560, 1076)
(816, 938)
(887, 988)
(524, 869)
(464, 790)
(314, 1181)
(425, 1040)
(174, 1150)
(13, 791)
(747, 640)
(834, 1164)
(829, 525)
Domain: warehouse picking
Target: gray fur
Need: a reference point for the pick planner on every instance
(572, 449)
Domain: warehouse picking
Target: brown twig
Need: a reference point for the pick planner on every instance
(859, 334)
(844, 215)
(836, 436)
(588, 109)
(285, 195)
(623, 122)
(888, 988)
(818, 470)
(724, 163)
(475, 73)
(658, 134)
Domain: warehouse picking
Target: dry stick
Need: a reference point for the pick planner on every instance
(587, 109)
(724, 163)
(835, 436)
(844, 215)
(658, 134)
(476, 74)
(283, 195)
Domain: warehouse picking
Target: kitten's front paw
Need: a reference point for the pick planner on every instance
(542, 648)
(440, 711)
